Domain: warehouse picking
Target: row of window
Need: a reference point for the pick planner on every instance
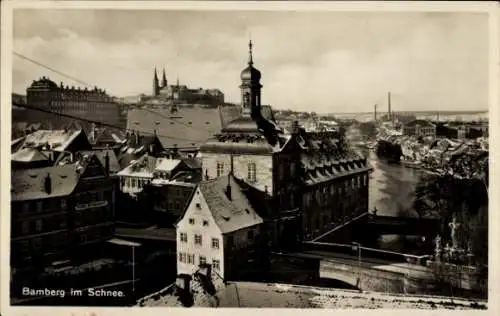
(189, 258)
(251, 171)
(198, 240)
(42, 205)
(133, 182)
(192, 221)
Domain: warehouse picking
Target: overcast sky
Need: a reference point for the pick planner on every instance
(324, 62)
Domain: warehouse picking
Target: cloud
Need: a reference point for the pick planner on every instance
(326, 62)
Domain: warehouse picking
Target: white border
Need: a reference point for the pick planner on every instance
(6, 78)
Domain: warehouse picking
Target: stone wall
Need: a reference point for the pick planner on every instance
(371, 279)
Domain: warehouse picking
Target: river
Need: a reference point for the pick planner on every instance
(391, 191)
(391, 187)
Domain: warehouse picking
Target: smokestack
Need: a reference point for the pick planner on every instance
(389, 106)
(375, 112)
(47, 184)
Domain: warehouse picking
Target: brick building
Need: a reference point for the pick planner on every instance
(60, 212)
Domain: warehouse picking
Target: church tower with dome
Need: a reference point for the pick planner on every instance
(250, 87)
(309, 183)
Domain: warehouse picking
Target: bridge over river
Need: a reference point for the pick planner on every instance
(367, 268)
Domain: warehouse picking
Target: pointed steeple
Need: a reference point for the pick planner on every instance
(163, 79)
(250, 57)
(156, 86)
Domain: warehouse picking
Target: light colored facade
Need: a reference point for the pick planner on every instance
(218, 225)
(198, 221)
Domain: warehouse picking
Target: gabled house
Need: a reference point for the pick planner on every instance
(57, 141)
(219, 227)
(137, 175)
(136, 145)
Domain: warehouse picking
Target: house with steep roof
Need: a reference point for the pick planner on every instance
(135, 145)
(27, 157)
(219, 227)
(57, 141)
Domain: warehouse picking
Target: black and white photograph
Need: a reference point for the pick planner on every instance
(247, 155)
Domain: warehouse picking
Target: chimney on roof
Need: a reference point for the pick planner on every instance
(228, 187)
(47, 184)
(175, 151)
(106, 163)
(136, 138)
(182, 281)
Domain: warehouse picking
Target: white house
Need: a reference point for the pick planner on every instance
(219, 227)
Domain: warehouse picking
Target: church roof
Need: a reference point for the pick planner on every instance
(185, 127)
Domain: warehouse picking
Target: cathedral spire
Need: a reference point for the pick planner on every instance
(156, 86)
(164, 79)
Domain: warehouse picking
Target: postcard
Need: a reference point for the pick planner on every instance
(321, 155)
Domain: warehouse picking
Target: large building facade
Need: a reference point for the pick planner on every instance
(312, 181)
(419, 128)
(93, 104)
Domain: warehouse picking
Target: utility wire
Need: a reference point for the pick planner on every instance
(119, 102)
(51, 69)
(96, 122)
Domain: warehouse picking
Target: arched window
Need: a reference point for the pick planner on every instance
(246, 99)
